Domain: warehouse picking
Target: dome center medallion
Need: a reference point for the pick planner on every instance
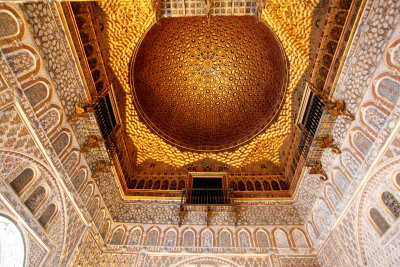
(209, 86)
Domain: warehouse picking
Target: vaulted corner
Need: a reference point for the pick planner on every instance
(200, 132)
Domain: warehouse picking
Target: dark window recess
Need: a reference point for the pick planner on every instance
(310, 122)
(207, 191)
(207, 182)
(106, 119)
(313, 114)
(105, 116)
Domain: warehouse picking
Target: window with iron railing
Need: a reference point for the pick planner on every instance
(107, 123)
(309, 119)
(105, 116)
(207, 196)
(313, 114)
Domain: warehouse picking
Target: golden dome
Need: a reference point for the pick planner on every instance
(209, 85)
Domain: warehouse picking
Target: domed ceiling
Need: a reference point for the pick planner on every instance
(209, 85)
(125, 24)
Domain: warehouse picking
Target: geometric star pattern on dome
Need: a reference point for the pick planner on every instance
(209, 84)
(126, 22)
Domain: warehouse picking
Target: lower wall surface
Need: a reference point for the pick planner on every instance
(368, 234)
(90, 254)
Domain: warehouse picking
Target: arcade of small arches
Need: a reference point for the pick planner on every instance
(36, 195)
(252, 183)
(214, 237)
(257, 184)
(387, 205)
(157, 183)
(382, 211)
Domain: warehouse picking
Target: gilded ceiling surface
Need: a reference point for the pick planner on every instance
(209, 85)
(126, 22)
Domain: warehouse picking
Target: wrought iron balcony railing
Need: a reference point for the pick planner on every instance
(105, 116)
(206, 196)
(313, 114)
(309, 119)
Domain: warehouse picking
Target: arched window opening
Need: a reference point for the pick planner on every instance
(118, 237)
(132, 183)
(157, 185)
(22, 180)
(284, 185)
(361, 142)
(87, 193)
(242, 187)
(104, 230)
(281, 239)
(379, 221)
(389, 90)
(262, 239)
(332, 196)
(170, 239)
(165, 185)
(135, 237)
(79, 179)
(375, 118)
(152, 238)
(12, 25)
(250, 186)
(35, 199)
(233, 185)
(188, 239)
(244, 239)
(172, 186)
(61, 142)
(300, 239)
(391, 203)
(100, 218)
(149, 184)
(72, 161)
(207, 239)
(341, 181)
(258, 186)
(267, 186)
(275, 185)
(181, 185)
(94, 207)
(225, 239)
(140, 184)
(37, 93)
(12, 249)
(48, 215)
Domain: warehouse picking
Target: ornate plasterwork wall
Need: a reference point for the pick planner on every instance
(357, 238)
(363, 176)
(183, 249)
(40, 159)
(357, 85)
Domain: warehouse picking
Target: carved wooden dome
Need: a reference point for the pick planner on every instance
(209, 85)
